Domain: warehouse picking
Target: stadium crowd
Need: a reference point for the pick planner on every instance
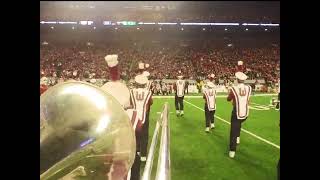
(83, 61)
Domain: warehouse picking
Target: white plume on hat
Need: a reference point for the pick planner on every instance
(146, 73)
(141, 79)
(241, 76)
(210, 84)
(240, 63)
(112, 60)
(141, 65)
(147, 65)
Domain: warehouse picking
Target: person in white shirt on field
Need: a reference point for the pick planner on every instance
(209, 95)
(179, 87)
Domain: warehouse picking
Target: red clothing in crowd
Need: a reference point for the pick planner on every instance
(43, 88)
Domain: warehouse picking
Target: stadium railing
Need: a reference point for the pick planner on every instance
(163, 168)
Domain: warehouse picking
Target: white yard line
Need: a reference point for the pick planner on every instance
(219, 96)
(259, 104)
(160, 112)
(246, 131)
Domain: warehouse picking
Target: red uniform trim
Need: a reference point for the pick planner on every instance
(134, 119)
(133, 99)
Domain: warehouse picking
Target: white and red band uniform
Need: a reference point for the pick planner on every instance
(149, 85)
(210, 95)
(180, 85)
(242, 94)
(140, 98)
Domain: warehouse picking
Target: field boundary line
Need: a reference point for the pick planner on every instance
(219, 96)
(259, 104)
(244, 130)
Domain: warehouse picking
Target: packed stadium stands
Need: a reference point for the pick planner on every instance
(195, 63)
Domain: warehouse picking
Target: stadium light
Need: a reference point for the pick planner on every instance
(52, 27)
(197, 24)
(72, 27)
(203, 29)
(250, 24)
(247, 29)
(94, 27)
(138, 28)
(211, 24)
(265, 29)
(166, 23)
(67, 22)
(48, 22)
(226, 29)
(181, 29)
(115, 28)
(269, 24)
(160, 29)
(225, 24)
(147, 23)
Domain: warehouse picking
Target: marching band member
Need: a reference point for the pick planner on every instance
(141, 100)
(209, 95)
(179, 88)
(120, 91)
(145, 129)
(115, 86)
(240, 95)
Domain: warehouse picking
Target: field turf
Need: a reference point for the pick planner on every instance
(196, 155)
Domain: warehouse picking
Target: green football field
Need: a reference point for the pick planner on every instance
(202, 156)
